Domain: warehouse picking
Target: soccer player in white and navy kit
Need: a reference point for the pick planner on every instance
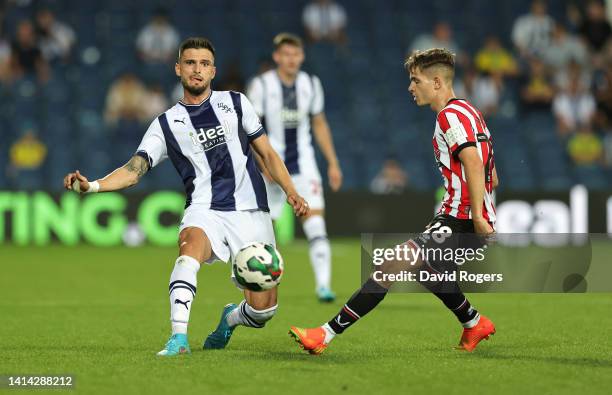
(291, 103)
(209, 137)
(463, 150)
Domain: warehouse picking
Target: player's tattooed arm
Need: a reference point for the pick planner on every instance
(125, 176)
(137, 165)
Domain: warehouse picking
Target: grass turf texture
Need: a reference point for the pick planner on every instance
(102, 314)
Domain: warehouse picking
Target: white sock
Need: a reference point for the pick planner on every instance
(245, 315)
(473, 322)
(183, 283)
(320, 250)
(329, 333)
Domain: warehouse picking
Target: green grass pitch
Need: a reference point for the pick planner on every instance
(102, 314)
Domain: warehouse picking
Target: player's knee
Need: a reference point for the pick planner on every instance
(262, 316)
(194, 242)
(314, 228)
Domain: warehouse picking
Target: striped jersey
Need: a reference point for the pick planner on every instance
(208, 144)
(460, 125)
(286, 112)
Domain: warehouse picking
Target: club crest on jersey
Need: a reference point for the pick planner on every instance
(224, 107)
(211, 137)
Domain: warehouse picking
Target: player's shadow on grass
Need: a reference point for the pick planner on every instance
(579, 361)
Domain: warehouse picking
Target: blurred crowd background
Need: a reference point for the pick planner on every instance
(81, 80)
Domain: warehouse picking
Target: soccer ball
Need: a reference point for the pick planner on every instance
(258, 267)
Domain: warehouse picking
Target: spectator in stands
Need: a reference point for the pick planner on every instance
(595, 28)
(574, 107)
(531, 32)
(603, 97)
(537, 89)
(585, 148)
(158, 41)
(325, 20)
(27, 153)
(563, 49)
(127, 99)
(157, 102)
(440, 37)
(494, 59)
(482, 89)
(563, 76)
(56, 38)
(231, 79)
(391, 179)
(26, 57)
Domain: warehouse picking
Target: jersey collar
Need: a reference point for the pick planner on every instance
(452, 100)
(199, 104)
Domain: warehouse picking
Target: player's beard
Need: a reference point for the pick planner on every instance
(193, 90)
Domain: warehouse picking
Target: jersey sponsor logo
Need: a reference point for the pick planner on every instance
(212, 137)
(291, 118)
(180, 120)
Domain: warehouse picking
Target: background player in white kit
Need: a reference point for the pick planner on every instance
(290, 101)
(208, 136)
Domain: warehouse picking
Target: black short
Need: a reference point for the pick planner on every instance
(445, 232)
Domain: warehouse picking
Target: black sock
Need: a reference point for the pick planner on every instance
(450, 294)
(361, 303)
(458, 304)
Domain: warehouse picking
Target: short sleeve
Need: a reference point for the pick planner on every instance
(255, 93)
(457, 131)
(318, 99)
(250, 120)
(153, 145)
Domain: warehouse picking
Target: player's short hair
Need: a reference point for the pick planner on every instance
(287, 38)
(195, 43)
(423, 60)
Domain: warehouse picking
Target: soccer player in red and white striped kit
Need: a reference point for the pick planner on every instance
(464, 153)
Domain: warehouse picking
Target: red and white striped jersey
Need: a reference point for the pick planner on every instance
(460, 125)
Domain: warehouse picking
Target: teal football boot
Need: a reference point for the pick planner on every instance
(326, 295)
(219, 338)
(177, 344)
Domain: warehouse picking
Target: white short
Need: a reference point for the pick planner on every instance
(228, 231)
(309, 186)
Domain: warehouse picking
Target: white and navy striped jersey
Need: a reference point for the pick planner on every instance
(208, 144)
(286, 112)
(458, 125)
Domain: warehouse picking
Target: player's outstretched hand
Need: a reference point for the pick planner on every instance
(335, 177)
(70, 184)
(299, 205)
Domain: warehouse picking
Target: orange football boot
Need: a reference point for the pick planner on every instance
(310, 339)
(472, 336)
